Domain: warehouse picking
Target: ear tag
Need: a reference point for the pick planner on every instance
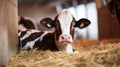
(82, 25)
(49, 25)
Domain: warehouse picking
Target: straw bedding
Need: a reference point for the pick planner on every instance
(92, 53)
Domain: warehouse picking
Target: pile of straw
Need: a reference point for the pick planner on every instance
(98, 54)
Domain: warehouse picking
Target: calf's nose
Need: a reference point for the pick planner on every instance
(66, 38)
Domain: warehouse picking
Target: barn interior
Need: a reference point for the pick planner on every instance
(104, 30)
(91, 9)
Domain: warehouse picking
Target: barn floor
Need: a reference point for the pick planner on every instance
(104, 53)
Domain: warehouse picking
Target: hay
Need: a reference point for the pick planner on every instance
(101, 55)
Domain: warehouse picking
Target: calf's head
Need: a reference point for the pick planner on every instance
(64, 24)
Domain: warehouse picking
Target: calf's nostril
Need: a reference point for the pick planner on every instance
(62, 37)
(68, 37)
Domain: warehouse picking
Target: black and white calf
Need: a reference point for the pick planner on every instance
(61, 39)
(25, 23)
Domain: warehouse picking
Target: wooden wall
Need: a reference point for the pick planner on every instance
(8, 30)
(108, 25)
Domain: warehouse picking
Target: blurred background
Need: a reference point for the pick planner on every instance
(103, 14)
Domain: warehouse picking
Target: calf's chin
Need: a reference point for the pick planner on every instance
(65, 46)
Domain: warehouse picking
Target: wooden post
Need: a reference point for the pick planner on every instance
(8, 29)
(98, 3)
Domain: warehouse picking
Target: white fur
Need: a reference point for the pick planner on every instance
(41, 37)
(65, 19)
(19, 33)
(33, 31)
(32, 43)
(69, 48)
(26, 35)
(21, 27)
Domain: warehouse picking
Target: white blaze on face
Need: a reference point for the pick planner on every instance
(65, 18)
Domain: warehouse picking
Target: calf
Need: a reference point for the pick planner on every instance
(25, 23)
(61, 39)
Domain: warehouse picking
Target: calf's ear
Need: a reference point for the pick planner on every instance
(82, 23)
(47, 22)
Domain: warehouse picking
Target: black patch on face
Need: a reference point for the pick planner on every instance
(58, 30)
